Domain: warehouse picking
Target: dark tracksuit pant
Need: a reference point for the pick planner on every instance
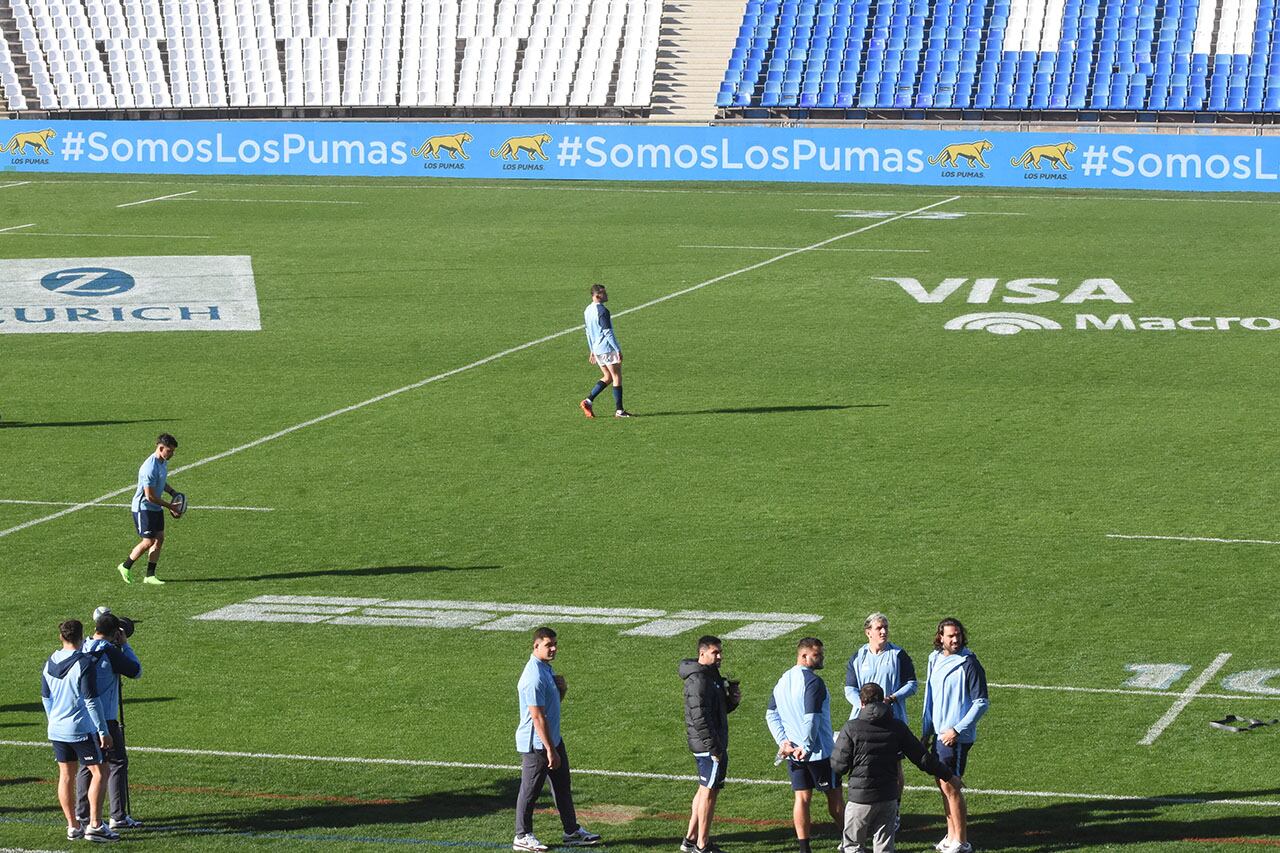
(116, 761)
(534, 771)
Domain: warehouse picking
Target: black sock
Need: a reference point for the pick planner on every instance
(128, 562)
(599, 386)
(804, 845)
(151, 569)
(617, 396)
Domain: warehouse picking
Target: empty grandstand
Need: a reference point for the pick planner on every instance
(890, 57)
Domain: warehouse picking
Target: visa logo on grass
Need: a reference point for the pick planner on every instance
(140, 294)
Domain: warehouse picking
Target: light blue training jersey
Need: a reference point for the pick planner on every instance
(892, 669)
(800, 711)
(108, 682)
(154, 472)
(537, 687)
(69, 693)
(599, 325)
(955, 695)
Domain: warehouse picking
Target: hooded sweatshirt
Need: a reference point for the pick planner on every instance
(955, 695)
(69, 691)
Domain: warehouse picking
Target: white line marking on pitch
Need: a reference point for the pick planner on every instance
(193, 506)
(111, 236)
(275, 200)
(792, 249)
(1185, 699)
(158, 198)
(859, 210)
(479, 363)
(1196, 539)
(1250, 697)
(14, 184)
(624, 774)
(16, 227)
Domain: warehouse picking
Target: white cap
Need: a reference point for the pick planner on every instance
(97, 614)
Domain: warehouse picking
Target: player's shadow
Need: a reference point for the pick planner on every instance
(463, 802)
(35, 424)
(22, 708)
(766, 410)
(363, 572)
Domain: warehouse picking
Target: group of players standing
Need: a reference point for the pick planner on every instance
(879, 678)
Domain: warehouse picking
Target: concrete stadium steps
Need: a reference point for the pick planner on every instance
(693, 50)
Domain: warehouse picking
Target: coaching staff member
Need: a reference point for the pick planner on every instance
(708, 699)
(955, 698)
(541, 748)
(867, 749)
(113, 658)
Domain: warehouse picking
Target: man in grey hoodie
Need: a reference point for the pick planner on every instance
(708, 699)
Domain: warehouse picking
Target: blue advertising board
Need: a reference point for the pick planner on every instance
(648, 153)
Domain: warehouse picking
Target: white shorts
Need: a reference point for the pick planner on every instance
(610, 357)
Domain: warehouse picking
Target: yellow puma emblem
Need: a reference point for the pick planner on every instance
(511, 149)
(39, 139)
(1055, 154)
(453, 144)
(971, 151)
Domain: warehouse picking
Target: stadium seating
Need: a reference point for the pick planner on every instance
(211, 54)
(1138, 55)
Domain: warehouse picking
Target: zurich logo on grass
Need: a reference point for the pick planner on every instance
(1001, 322)
(88, 281)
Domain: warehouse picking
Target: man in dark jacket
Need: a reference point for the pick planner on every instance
(867, 748)
(708, 699)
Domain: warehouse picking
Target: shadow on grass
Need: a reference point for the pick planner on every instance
(366, 572)
(35, 424)
(469, 802)
(765, 410)
(22, 708)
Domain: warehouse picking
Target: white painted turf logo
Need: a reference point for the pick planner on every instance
(492, 616)
(1001, 323)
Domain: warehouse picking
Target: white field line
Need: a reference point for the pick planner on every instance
(111, 236)
(625, 774)
(193, 506)
(860, 210)
(17, 227)
(792, 248)
(158, 198)
(1196, 539)
(1185, 699)
(14, 184)
(548, 185)
(478, 363)
(1132, 691)
(274, 200)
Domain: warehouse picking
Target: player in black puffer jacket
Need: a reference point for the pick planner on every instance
(708, 699)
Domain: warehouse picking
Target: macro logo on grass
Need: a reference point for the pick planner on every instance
(453, 144)
(515, 146)
(971, 153)
(142, 294)
(1035, 291)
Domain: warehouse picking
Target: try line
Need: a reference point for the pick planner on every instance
(663, 777)
(479, 363)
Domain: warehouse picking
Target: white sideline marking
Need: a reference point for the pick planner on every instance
(625, 774)
(1185, 699)
(14, 184)
(193, 506)
(17, 227)
(1250, 697)
(276, 200)
(879, 212)
(112, 236)
(1196, 539)
(479, 363)
(792, 248)
(158, 198)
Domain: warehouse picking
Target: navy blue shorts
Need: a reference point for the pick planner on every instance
(808, 775)
(149, 523)
(84, 751)
(954, 758)
(712, 771)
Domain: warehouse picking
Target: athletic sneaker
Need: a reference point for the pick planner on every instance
(152, 579)
(75, 832)
(125, 573)
(528, 842)
(956, 846)
(688, 845)
(126, 822)
(585, 405)
(100, 833)
(943, 845)
(711, 847)
(580, 837)
(622, 413)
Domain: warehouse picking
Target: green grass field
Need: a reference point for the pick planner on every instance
(809, 440)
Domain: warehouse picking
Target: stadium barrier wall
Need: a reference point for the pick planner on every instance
(644, 153)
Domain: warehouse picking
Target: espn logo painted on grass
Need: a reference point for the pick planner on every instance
(492, 616)
(142, 294)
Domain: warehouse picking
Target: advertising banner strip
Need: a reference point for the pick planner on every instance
(648, 153)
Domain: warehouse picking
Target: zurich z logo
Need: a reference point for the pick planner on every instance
(88, 281)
